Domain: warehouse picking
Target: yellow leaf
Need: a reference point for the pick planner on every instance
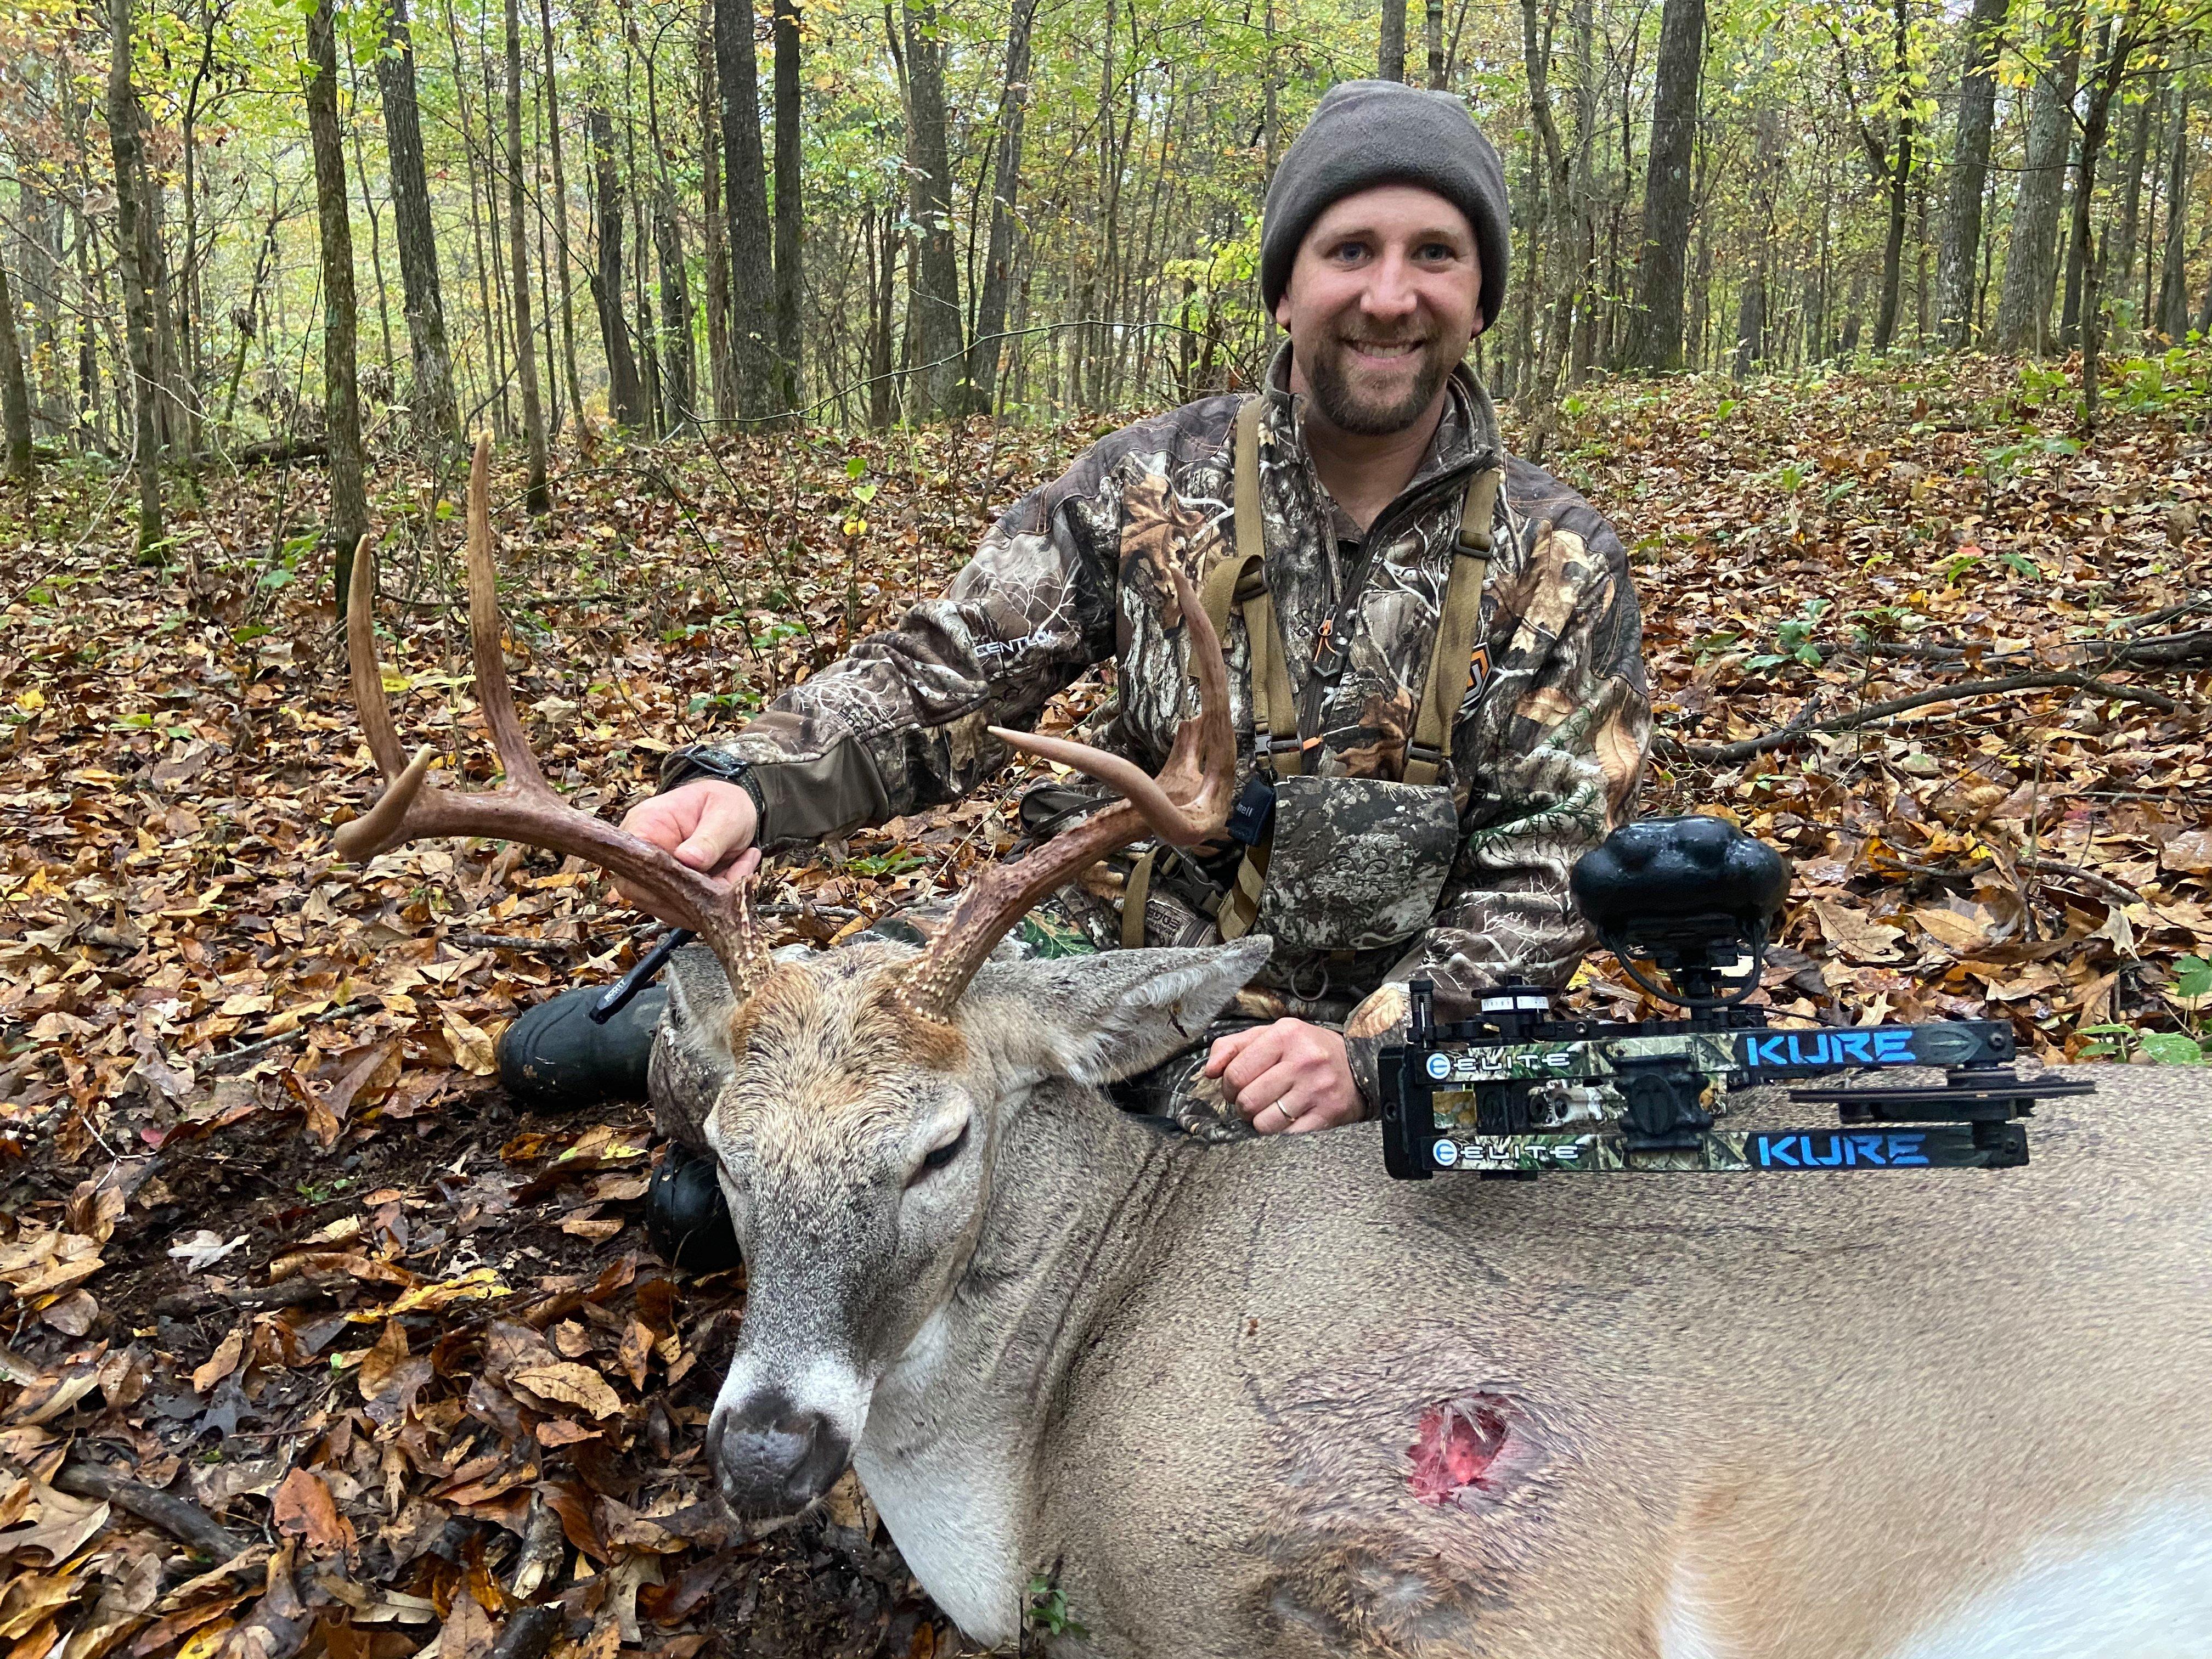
(396, 682)
(478, 1285)
(472, 1049)
(572, 1384)
(33, 699)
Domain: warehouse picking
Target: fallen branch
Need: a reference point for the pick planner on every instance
(2119, 891)
(224, 1061)
(529, 1633)
(2159, 650)
(1723, 753)
(186, 1522)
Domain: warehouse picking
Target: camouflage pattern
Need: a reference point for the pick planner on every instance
(1356, 863)
(1545, 756)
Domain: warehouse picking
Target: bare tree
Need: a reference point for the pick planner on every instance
(936, 300)
(625, 394)
(2031, 256)
(1970, 169)
(1655, 337)
(127, 146)
(539, 499)
(745, 186)
(789, 222)
(14, 392)
(984, 351)
(341, 388)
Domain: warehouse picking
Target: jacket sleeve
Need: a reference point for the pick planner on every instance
(1553, 754)
(899, 721)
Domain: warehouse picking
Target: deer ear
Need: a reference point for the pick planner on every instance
(699, 1004)
(1098, 1019)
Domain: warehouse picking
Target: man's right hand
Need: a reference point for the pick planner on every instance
(707, 823)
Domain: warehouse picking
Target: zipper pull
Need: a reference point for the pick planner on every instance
(1328, 659)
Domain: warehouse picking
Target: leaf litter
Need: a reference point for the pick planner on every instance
(275, 1246)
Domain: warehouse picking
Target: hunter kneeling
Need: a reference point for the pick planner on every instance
(1433, 655)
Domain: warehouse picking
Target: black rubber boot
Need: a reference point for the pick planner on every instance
(553, 1058)
(685, 1216)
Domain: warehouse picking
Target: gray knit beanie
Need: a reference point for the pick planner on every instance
(1365, 133)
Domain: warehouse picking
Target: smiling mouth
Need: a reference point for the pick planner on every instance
(1386, 350)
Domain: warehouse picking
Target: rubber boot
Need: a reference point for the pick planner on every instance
(686, 1218)
(553, 1058)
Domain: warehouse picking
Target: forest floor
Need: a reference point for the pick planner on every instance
(395, 1359)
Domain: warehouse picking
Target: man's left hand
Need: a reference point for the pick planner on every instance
(1289, 1075)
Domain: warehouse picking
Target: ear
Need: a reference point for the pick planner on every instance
(699, 1007)
(1098, 1018)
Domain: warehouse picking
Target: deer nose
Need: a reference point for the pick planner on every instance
(772, 1457)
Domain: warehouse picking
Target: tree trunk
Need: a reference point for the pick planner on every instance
(2112, 65)
(678, 393)
(1390, 42)
(560, 208)
(936, 297)
(341, 390)
(2173, 276)
(435, 409)
(718, 252)
(2120, 262)
(539, 496)
(128, 147)
(14, 392)
(745, 184)
(789, 224)
(883, 268)
(1655, 340)
(1900, 184)
(985, 349)
(2031, 262)
(625, 396)
(1970, 168)
(1433, 38)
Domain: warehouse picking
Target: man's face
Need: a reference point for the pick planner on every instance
(1384, 297)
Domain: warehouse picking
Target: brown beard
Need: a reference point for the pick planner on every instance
(1331, 385)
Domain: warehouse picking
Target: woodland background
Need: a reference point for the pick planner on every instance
(1875, 330)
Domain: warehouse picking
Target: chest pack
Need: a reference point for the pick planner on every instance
(1333, 864)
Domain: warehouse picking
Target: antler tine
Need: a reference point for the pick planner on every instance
(524, 809)
(361, 663)
(494, 696)
(1201, 770)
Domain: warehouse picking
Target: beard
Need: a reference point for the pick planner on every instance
(1330, 376)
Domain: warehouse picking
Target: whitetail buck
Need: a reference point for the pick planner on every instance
(1260, 1401)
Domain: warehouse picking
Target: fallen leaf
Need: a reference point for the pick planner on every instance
(221, 1363)
(302, 1506)
(572, 1384)
(1858, 937)
(472, 1049)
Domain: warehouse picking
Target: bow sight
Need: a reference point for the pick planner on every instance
(1517, 1091)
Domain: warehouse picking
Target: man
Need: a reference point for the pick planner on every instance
(1383, 253)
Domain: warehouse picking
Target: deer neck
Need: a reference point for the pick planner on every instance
(950, 1455)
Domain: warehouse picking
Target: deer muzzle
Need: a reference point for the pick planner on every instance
(773, 1456)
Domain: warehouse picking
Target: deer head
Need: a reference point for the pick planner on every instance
(855, 1103)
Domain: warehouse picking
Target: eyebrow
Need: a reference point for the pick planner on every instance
(1433, 234)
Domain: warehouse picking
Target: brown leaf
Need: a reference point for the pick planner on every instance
(2189, 852)
(571, 1384)
(1857, 936)
(221, 1363)
(301, 1505)
(367, 1081)
(636, 1352)
(379, 1363)
(472, 1049)
(73, 1316)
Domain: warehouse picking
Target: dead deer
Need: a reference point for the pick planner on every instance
(1258, 1400)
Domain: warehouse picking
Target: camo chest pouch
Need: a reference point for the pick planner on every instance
(1355, 864)
(1343, 863)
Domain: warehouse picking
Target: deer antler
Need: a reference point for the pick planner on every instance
(1187, 803)
(524, 808)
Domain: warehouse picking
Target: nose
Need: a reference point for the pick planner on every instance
(772, 1457)
(1391, 291)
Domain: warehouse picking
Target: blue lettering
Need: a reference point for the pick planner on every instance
(1866, 1149)
(1853, 1045)
(1772, 1151)
(1906, 1149)
(1835, 1152)
(1892, 1048)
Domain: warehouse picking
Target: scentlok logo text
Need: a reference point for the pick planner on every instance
(1828, 1151)
(1873, 1047)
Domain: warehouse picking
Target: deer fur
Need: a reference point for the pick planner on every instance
(1954, 1413)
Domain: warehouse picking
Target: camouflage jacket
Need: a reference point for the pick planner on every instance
(1545, 756)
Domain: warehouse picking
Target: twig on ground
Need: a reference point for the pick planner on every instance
(2119, 891)
(515, 942)
(224, 1061)
(1725, 753)
(187, 1522)
(529, 1633)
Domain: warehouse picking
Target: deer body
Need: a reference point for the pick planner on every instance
(1852, 1415)
(1260, 1401)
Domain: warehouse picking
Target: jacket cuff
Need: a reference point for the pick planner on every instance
(799, 801)
(1375, 1024)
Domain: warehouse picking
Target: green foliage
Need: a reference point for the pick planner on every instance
(1793, 638)
(1047, 1609)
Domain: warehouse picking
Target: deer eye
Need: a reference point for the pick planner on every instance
(937, 1158)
